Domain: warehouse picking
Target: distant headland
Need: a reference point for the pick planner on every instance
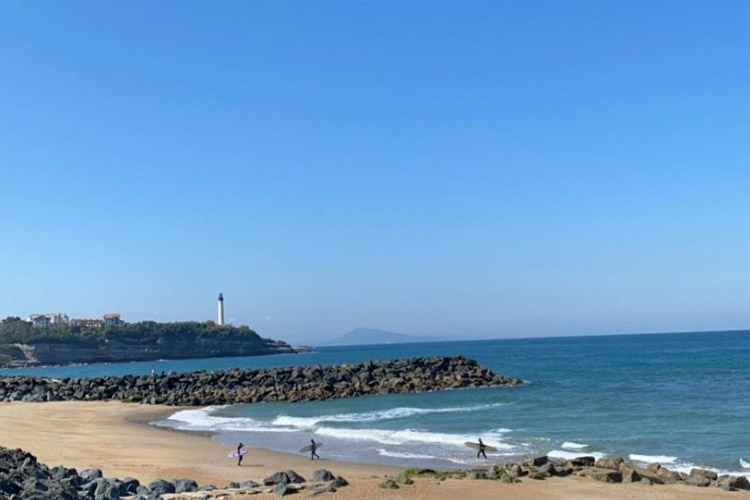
(24, 344)
(56, 339)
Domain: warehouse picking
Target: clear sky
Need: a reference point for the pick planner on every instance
(467, 169)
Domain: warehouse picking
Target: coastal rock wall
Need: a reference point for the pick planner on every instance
(272, 384)
(58, 353)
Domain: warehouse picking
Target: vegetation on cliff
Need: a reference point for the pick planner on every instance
(21, 343)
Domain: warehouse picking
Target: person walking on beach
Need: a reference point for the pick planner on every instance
(313, 447)
(240, 454)
(481, 450)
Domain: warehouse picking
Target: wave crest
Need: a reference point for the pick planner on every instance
(375, 416)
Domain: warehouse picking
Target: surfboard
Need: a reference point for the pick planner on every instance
(234, 453)
(307, 448)
(475, 446)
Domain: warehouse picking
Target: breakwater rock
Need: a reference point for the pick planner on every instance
(305, 383)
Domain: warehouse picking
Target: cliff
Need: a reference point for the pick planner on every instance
(23, 345)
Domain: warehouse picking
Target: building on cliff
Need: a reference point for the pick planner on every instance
(113, 319)
(45, 320)
(90, 322)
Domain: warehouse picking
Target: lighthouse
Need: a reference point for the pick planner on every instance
(220, 319)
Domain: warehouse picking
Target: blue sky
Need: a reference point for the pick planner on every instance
(466, 169)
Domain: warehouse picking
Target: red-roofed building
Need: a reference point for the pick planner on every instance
(112, 319)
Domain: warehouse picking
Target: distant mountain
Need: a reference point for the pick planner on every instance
(363, 336)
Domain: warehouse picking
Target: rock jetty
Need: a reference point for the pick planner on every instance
(22, 477)
(253, 386)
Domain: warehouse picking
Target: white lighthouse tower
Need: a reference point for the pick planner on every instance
(220, 319)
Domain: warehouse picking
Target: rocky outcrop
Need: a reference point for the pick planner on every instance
(21, 344)
(22, 477)
(253, 386)
(607, 470)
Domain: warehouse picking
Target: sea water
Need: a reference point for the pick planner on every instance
(680, 399)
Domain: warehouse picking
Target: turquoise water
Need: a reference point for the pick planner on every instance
(682, 399)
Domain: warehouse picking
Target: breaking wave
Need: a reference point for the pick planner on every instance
(375, 416)
(570, 445)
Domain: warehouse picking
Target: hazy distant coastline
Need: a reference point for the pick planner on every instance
(369, 336)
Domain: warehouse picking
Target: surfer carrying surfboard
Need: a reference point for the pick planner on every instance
(482, 447)
(313, 447)
(240, 454)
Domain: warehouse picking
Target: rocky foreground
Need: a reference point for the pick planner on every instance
(265, 385)
(22, 477)
(607, 470)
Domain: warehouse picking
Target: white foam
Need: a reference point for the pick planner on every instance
(569, 455)
(685, 467)
(396, 454)
(662, 459)
(375, 416)
(398, 437)
(202, 420)
(570, 445)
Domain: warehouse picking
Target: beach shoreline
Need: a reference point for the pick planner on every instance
(119, 439)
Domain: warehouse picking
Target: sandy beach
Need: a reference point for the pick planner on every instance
(117, 438)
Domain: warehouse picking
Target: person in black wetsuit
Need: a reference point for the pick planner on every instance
(314, 447)
(239, 455)
(481, 450)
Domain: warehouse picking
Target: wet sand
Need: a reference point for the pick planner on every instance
(117, 438)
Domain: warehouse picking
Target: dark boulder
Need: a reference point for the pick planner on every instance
(131, 485)
(319, 490)
(582, 462)
(89, 475)
(700, 481)
(603, 475)
(548, 468)
(87, 490)
(537, 461)
(161, 487)
(629, 474)
(283, 489)
(184, 485)
(733, 483)
(609, 463)
(321, 475)
(340, 482)
(708, 474)
(285, 477)
(108, 489)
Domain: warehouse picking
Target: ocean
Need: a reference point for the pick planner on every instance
(680, 399)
